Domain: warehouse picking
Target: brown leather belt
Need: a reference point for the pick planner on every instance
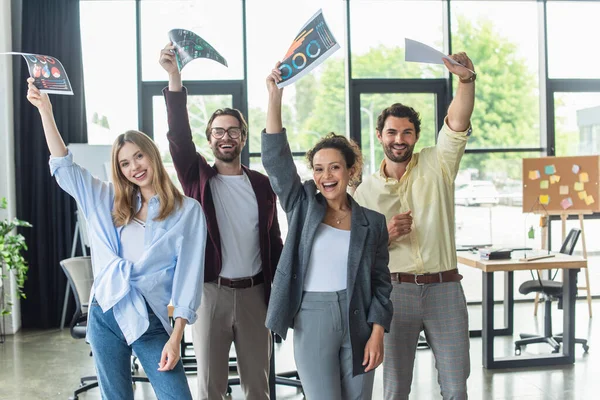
(241, 283)
(423, 279)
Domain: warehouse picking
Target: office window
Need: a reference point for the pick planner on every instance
(110, 73)
(219, 23)
(313, 106)
(489, 201)
(577, 123)
(573, 33)
(502, 40)
(378, 29)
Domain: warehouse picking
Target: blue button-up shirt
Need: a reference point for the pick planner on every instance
(170, 270)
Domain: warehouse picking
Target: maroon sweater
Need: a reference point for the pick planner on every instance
(194, 174)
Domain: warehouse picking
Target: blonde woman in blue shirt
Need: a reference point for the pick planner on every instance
(145, 254)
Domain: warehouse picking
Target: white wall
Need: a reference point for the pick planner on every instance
(7, 148)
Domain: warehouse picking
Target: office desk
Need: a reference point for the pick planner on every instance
(571, 264)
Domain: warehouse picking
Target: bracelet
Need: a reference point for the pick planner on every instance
(469, 79)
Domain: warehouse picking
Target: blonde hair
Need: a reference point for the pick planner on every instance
(169, 196)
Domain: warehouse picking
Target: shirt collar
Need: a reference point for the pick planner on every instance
(138, 200)
(411, 164)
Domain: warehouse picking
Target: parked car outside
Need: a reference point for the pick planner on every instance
(475, 193)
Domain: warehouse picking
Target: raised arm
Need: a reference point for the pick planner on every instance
(181, 145)
(86, 189)
(453, 137)
(56, 145)
(461, 108)
(276, 154)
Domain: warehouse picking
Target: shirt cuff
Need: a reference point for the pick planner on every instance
(446, 129)
(58, 162)
(185, 313)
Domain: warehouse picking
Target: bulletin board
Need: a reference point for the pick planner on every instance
(561, 184)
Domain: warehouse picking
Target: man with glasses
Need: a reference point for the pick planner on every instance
(242, 250)
(415, 191)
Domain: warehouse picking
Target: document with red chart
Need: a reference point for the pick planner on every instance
(190, 46)
(48, 73)
(313, 45)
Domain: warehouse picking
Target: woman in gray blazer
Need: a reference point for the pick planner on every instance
(332, 283)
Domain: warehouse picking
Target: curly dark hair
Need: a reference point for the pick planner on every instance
(349, 149)
(399, 110)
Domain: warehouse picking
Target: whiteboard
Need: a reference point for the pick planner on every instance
(93, 157)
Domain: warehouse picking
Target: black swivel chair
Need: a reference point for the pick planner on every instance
(80, 276)
(550, 289)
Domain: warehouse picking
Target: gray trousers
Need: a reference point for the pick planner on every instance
(232, 315)
(440, 309)
(323, 352)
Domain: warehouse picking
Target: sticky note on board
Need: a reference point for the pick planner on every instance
(533, 175)
(578, 186)
(583, 177)
(582, 195)
(554, 179)
(566, 203)
(544, 199)
(575, 168)
(549, 169)
(589, 200)
(544, 184)
(564, 189)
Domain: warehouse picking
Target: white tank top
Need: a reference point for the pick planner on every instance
(328, 265)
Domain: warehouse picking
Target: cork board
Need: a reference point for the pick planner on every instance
(561, 184)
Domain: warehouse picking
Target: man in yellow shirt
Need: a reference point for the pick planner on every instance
(416, 194)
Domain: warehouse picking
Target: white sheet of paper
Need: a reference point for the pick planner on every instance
(419, 52)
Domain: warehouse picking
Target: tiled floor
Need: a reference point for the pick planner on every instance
(48, 364)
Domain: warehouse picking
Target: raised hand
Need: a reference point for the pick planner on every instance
(465, 70)
(167, 59)
(37, 98)
(273, 78)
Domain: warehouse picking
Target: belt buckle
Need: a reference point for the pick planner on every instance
(417, 279)
(251, 281)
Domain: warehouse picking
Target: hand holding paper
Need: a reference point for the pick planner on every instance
(36, 97)
(168, 59)
(273, 79)
(458, 64)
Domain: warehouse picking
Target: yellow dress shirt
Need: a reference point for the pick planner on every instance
(427, 190)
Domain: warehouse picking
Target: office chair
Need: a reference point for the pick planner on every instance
(79, 273)
(550, 289)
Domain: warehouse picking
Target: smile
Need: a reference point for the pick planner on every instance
(329, 186)
(140, 175)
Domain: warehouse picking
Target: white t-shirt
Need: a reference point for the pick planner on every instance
(132, 240)
(328, 265)
(237, 216)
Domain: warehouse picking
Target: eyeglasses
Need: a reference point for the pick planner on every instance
(234, 132)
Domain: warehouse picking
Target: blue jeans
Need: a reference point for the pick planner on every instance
(112, 357)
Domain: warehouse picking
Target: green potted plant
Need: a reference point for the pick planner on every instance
(11, 259)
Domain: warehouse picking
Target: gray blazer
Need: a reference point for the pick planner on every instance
(369, 283)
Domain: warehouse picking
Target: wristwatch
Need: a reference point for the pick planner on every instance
(469, 79)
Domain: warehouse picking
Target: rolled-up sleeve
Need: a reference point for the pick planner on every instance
(450, 149)
(189, 270)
